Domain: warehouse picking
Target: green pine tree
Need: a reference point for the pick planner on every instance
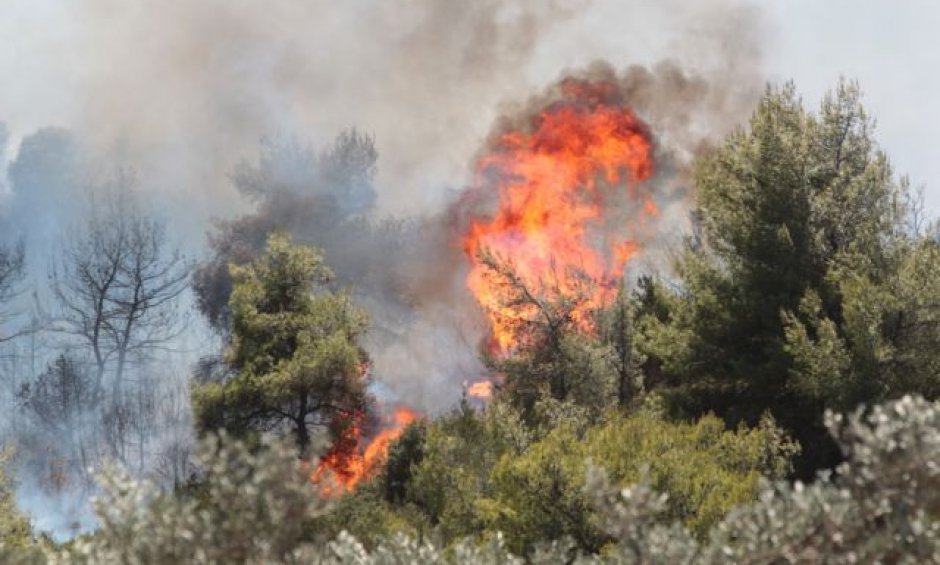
(294, 354)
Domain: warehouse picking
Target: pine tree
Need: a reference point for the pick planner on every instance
(294, 354)
(807, 290)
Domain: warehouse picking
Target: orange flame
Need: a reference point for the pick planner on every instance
(480, 389)
(551, 182)
(348, 463)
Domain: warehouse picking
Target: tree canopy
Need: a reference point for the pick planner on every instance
(295, 358)
(799, 292)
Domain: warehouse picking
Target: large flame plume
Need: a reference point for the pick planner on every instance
(351, 459)
(552, 178)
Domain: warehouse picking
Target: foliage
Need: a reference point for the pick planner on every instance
(15, 530)
(403, 456)
(799, 293)
(880, 506)
(294, 349)
(370, 518)
(452, 482)
(702, 468)
(569, 359)
(480, 475)
(19, 544)
(251, 507)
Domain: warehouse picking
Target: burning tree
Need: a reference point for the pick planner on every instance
(567, 354)
(294, 350)
(551, 256)
(552, 181)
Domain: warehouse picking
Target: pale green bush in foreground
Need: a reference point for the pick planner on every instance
(881, 506)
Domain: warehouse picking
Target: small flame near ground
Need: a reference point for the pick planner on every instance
(551, 180)
(482, 390)
(351, 459)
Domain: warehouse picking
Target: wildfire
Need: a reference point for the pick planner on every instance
(348, 462)
(482, 390)
(551, 181)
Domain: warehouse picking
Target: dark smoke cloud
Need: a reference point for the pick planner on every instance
(183, 90)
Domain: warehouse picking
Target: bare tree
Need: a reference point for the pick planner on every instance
(118, 280)
(918, 221)
(11, 273)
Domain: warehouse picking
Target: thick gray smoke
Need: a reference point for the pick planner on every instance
(185, 89)
(182, 92)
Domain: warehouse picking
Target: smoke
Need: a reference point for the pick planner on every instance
(182, 92)
(185, 90)
(410, 274)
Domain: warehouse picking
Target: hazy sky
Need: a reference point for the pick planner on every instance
(891, 47)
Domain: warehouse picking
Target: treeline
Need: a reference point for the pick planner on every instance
(695, 421)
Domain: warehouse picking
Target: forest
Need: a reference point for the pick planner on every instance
(767, 396)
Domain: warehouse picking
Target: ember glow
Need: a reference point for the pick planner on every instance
(351, 459)
(482, 390)
(552, 180)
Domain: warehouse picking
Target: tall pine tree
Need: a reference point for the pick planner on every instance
(807, 289)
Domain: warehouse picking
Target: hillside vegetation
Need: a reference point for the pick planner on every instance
(772, 399)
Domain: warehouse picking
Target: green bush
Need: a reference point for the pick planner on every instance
(880, 506)
(252, 507)
(704, 469)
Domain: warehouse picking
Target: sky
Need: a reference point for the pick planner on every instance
(892, 48)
